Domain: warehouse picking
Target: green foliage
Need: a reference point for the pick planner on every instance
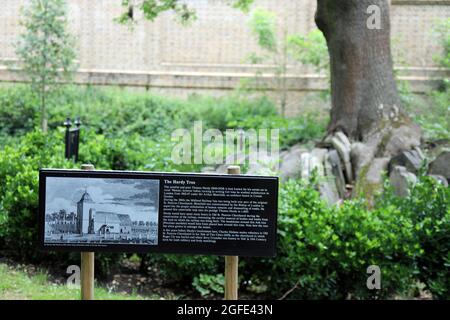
(433, 115)
(324, 252)
(263, 26)
(19, 169)
(182, 269)
(17, 111)
(17, 284)
(310, 50)
(118, 113)
(243, 5)
(226, 112)
(442, 33)
(133, 130)
(113, 112)
(46, 48)
(307, 128)
(435, 121)
(153, 8)
(207, 284)
(428, 207)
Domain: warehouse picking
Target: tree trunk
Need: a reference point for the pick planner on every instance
(365, 101)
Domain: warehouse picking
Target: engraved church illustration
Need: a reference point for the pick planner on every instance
(110, 219)
(91, 222)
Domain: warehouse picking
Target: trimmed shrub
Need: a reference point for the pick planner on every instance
(428, 207)
(182, 269)
(18, 111)
(324, 251)
(19, 188)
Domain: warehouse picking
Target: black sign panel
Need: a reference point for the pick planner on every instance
(157, 212)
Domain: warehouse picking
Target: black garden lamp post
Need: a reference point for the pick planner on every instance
(72, 138)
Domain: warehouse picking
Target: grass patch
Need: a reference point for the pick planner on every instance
(16, 284)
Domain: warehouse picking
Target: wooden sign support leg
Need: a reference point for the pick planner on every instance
(87, 264)
(231, 262)
(87, 275)
(231, 277)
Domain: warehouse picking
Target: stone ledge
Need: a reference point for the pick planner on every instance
(421, 80)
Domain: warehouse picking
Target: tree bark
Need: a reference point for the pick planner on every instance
(365, 101)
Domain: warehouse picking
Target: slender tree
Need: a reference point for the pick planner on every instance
(46, 49)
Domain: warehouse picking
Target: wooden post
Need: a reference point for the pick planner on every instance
(87, 263)
(231, 262)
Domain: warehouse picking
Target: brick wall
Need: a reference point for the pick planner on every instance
(208, 56)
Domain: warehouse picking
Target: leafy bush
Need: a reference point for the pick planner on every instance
(263, 25)
(18, 110)
(19, 190)
(278, 48)
(226, 112)
(428, 207)
(435, 122)
(307, 128)
(182, 269)
(324, 252)
(310, 50)
(131, 152)
(19, 174)
(129, 116)
(208, 284)
(114, 112)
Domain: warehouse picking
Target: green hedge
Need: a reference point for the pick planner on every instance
(19, 174)
(428, 207)
(322, 251)
(114, 112)
(325, 251)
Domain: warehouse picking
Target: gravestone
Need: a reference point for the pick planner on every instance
(441, 165)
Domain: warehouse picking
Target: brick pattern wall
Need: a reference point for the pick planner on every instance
(209, 54)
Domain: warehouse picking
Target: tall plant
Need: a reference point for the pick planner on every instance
(307, 50)
(263, 26)
(46, 49)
